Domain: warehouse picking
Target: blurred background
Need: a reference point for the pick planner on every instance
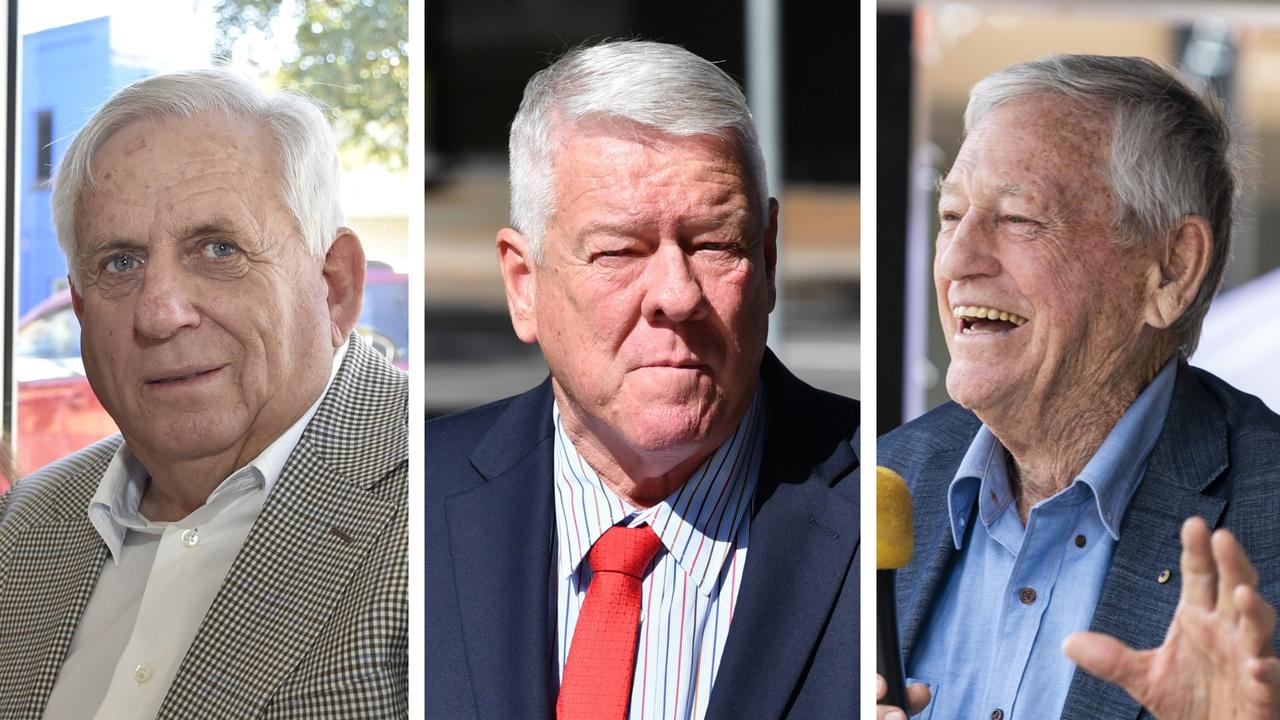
(800, 70)
(930, 54)
(351, 55)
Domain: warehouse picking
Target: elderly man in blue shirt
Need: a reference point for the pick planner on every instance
(1073, 484)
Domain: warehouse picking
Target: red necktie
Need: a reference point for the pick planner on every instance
(602, 655)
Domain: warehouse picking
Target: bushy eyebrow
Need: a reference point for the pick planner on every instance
(945, 186)
(628, 228)
(217, 226)
(112, 245)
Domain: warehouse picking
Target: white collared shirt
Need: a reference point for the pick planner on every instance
(688, 594)
(161, 579)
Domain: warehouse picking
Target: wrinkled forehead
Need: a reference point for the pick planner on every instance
(567, 137)
(211, 162)
(1036, 144)
(158, 143)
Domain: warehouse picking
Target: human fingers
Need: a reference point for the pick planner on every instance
(1109, 659)
(1199, 575)
(1234, 569)
(1257, 621)
(917, 698)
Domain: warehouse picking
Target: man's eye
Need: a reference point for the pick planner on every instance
(1018, 220)
(717, 246)
(121, 263)
(219, 249)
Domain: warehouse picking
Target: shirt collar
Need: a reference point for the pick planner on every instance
(697, 523)
(113, 511)
(1112, 474)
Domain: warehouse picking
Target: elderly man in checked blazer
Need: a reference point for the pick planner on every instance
(668, 526)
(240, 549)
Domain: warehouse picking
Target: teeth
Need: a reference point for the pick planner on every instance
(976, 312)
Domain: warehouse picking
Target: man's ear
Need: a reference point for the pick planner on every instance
(77, 302)
(344, 269)
(516, 262)
(1175, 279)
(771, 252)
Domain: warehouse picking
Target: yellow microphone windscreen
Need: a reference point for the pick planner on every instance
(893, 520)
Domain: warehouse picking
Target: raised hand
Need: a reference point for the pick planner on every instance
(1217, 661)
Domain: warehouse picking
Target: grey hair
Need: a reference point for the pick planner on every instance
(1170, 153)
(308, 152)
(655, 85)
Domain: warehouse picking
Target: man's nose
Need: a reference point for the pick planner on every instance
(164, 304)
(673, 289)
(969, 250)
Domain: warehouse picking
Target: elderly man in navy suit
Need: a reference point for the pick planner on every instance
(668, 527)
(1065, 501)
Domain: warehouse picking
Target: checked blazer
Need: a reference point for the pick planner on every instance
(312, 619)
(1218, 456)
(792, 648)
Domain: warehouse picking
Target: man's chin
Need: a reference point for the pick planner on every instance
(187, 437)
(978, 391)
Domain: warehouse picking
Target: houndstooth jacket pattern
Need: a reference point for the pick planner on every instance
(312, 619)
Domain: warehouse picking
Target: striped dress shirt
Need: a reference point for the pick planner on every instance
(689, 592)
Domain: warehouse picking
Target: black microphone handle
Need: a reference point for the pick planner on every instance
(888, 653)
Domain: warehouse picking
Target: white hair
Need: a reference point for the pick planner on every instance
(308, 152)
(655, 85)
(1170, 154)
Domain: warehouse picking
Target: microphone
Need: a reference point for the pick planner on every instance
(893, 550)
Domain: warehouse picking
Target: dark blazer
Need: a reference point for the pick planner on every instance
(490, 596)
(1218, 456)
(308, 623)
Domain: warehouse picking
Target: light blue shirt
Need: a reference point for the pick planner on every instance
(994, 640)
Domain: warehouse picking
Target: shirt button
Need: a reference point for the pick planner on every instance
(1080, 541)
(142, 673)
(190, 537)
(997, 714)
(1027, 596)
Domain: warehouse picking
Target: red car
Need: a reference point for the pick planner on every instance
(57, 410)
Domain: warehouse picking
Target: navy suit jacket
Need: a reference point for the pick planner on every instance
(792, 650)
(1218, 456)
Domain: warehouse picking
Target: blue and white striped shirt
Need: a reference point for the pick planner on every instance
(690, 591)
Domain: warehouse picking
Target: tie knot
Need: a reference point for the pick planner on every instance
(624, 550)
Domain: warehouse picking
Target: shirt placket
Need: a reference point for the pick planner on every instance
(1025, 600)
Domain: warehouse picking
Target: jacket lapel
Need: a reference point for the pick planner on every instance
(1190, 454)
(936, 548)
(500, 537)
(804, 541)
(48, 602)
(324, 514)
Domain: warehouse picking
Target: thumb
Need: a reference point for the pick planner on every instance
(1107, 658)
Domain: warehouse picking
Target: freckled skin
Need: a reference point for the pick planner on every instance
(1026, 227)
(189, 261)
(654, 257)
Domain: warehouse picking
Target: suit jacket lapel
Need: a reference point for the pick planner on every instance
(1134, 606)
(500, 537)
(49, 578)
(49, 603)
(804, 539)
(936, 547)
(316, 528)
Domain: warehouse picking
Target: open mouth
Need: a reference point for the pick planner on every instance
(980, 320)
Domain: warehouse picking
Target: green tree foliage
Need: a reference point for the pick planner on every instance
(351, 56)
